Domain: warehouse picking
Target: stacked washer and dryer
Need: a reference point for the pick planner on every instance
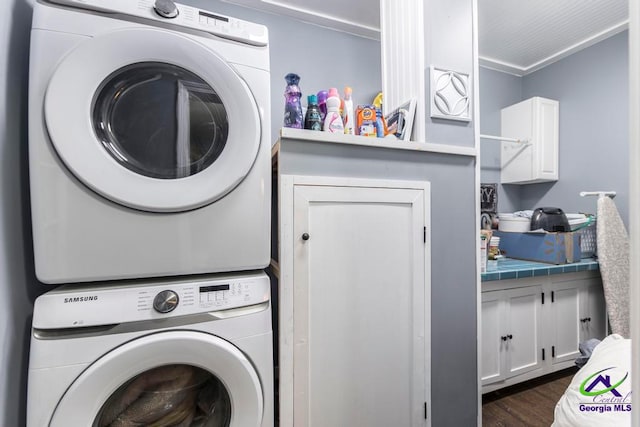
(149, 167)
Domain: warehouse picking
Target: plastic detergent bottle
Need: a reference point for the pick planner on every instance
(312, 119)
(292, 107)
(322, 103)
(380, 125)
(333, 121)
(347, 116)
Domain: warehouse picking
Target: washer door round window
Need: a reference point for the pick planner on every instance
(172, 395)
(160, 120)
(168, 134)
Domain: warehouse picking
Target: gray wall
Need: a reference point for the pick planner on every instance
(453, 273)
(323, 58)
(592, 88)
(292, 42)
(449, 45)
(497, 90)
(18, 286)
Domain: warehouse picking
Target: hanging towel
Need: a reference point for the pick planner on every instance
(613, 256)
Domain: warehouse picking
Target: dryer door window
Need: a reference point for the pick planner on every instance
(160, 120)
(169, 395)
(178, 377)
(153, 120)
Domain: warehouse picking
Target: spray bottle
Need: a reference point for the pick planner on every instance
(333, 121)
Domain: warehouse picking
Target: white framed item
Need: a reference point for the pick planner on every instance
(400, 120)
(450, 95)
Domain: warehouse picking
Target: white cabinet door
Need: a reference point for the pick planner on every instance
(524, 332)
(492, 342)
(593, 319)
(360, 323)
(565, 306)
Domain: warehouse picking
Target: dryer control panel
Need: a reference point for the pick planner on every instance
(181, 15)
(77, 306)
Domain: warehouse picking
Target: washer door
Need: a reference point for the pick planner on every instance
(152, 120)
(164, 379)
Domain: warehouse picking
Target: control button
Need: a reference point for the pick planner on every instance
(165, 301)
(166, 8)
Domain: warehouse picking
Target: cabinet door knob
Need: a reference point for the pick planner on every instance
(583, 320)
(588, 319)
(305, 236)
(510, 336)
(503, 338)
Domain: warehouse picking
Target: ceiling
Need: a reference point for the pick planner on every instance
(516, 36)
(523, 36)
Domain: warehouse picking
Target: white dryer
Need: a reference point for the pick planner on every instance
(173, 353)
(149, 141)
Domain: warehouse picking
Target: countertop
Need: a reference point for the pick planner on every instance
(516, 269)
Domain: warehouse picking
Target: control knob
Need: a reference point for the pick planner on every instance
(166, 8)
(165, 301)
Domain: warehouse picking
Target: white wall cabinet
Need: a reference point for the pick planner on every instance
(354, 302)
(532, 327)
(536, 120)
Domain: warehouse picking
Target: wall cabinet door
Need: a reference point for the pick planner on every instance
(359, 324)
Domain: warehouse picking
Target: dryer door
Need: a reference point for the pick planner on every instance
(169, 378)
(152, 120)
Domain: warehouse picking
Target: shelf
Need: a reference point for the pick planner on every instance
(385, 143)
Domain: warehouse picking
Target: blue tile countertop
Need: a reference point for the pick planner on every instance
(517, 269)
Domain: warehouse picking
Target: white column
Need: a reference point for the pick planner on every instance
(403, 47)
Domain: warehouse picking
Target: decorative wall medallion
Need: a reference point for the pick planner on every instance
(450, 95)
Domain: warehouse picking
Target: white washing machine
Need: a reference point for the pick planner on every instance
(175, 353)
(149, 141)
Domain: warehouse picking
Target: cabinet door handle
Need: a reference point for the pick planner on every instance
(510, 336)
(305, 236)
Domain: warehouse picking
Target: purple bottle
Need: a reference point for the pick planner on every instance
(322, 103)
(292, 108)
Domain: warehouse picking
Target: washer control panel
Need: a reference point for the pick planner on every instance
(181, 15)
(76, 306)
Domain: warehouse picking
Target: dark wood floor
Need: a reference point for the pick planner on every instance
(529, 404)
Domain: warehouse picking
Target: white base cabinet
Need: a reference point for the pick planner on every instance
(354, 302)
(532, 327)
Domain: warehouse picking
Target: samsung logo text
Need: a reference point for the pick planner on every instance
(81, 299)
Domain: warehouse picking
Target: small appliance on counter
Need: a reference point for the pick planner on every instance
(550, 219)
